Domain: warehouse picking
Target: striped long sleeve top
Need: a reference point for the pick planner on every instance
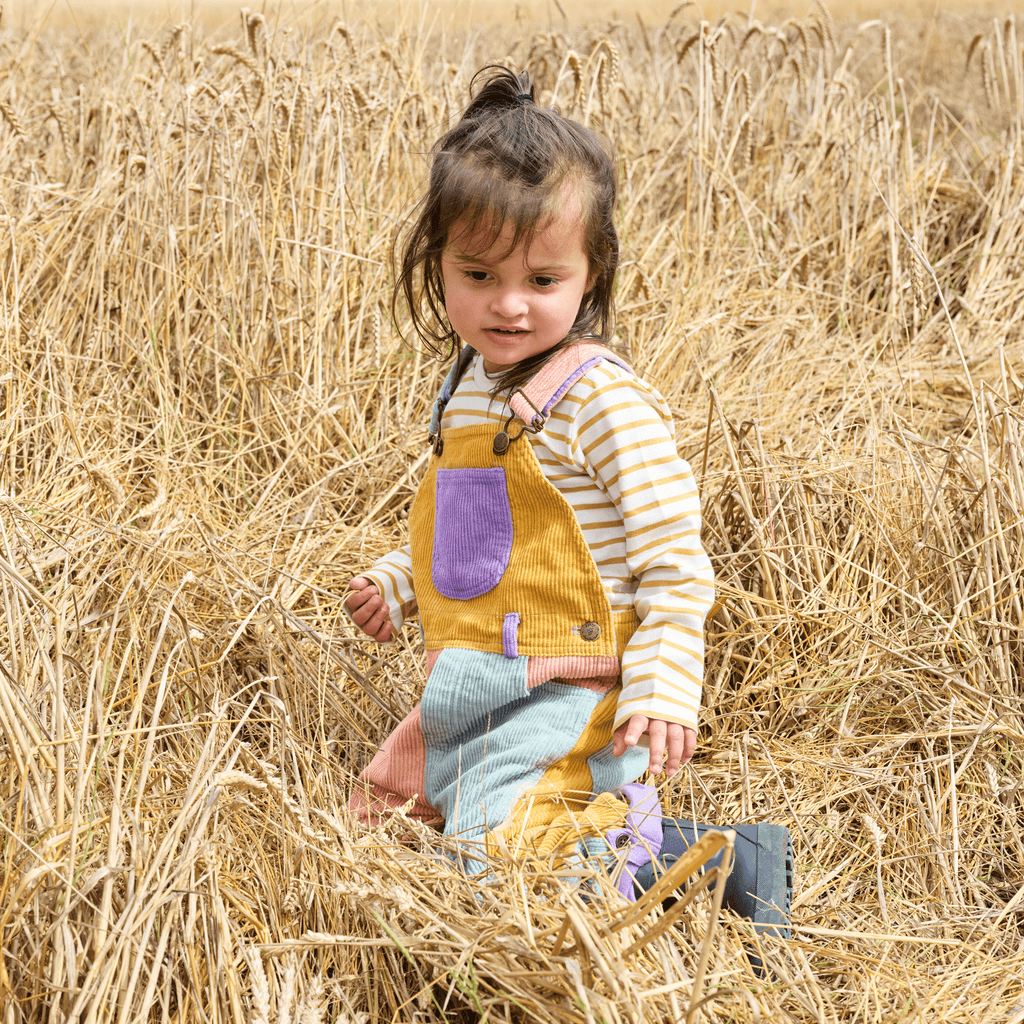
(608, 449)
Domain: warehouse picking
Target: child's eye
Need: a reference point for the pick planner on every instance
(477, 275)
(545, 282)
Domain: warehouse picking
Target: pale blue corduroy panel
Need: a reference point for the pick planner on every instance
(489, 738)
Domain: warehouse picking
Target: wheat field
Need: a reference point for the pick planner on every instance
(210, 423)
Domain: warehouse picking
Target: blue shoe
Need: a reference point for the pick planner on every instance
(759, 886)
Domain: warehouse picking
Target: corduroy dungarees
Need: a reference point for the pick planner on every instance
(511, 744)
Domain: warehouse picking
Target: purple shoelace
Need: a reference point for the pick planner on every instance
(641, 833)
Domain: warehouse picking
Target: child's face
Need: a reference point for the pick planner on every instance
(513, 305)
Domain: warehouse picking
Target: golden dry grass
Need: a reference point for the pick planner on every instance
(209, 425)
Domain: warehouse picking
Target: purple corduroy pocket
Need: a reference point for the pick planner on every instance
(472, 531)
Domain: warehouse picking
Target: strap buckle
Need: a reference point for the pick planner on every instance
(538, 420)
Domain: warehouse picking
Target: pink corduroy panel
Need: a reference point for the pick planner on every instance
(394, 777)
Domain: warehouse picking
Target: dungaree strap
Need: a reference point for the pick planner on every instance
(533, 402)
(451, 382)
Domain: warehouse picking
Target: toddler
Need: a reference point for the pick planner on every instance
(554, 553)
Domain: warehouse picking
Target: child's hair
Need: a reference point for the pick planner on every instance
(508, 161)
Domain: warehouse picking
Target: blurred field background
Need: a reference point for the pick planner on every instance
(210, 423)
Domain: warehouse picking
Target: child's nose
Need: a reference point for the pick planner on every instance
(509, 302)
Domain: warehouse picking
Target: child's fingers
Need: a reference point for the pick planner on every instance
(674, 747)
(680, 743)
(372, 616)
(368, 610)
(628, 735)
(362, 590)
(365, 599)
(635, 728)
(689, 744)
(378, 627)
(671, 744)
(379, 630)
(657, 730)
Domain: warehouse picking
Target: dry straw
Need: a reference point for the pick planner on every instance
(572, 58)
(209, 428)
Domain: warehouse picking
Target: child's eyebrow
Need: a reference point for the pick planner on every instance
(546, 268)
(465, 257)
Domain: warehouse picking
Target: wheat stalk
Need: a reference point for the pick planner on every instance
(686, 45)
(359, 99)
(754, 31)
(148, 47)
(608, 69)
(259, 985)
(348, 104)
(879, 838)
(828, 29)
(297, 116)
(12, 119)
(20, 520)
(59, 113)
(988, 76)
(255, 26)
(239, 55)
(576, 66)
(290, 905)
(170, 43)
(916, 279)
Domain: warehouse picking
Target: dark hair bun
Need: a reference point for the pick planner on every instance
(500, 90)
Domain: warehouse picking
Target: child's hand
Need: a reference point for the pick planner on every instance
(368, 610)
(676, 743)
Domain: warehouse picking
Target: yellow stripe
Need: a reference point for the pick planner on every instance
(629, 706)
(611, 481)
(689, 722)
(625, 704)
(625, 406)
(670, 609)
(639, 531)
(684, 481)
(662, 641)
(639, 678)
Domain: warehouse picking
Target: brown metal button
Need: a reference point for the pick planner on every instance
(622, 842)
(501, 443)
(590, 631)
